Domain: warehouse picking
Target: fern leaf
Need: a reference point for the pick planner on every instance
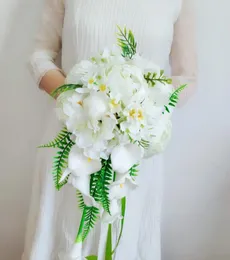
(174, 98)
(57, 142)
(60, 162)
(99, 184)
(64, 88)
(134, 170)
(91, 216)
(153, 78)
(81, 202)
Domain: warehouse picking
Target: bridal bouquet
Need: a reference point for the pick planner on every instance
(116, 110)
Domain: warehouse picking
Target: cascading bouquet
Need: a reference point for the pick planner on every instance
(116, 110)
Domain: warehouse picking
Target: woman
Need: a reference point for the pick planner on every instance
(164, 30)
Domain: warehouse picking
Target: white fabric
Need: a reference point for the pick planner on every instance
(81, 28)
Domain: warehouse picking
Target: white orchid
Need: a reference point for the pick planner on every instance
(96, 105)
(80, 165)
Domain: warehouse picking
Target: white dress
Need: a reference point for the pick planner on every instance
(163, 30)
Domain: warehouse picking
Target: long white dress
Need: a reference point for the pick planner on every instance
(163, 30)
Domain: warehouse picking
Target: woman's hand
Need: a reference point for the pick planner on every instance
(52, 80)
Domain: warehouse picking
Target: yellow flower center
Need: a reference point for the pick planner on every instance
(89, 159)
(140, 115)
(114, 103)
(80, 103)
(102, 87)
(121, 185)
(132, 113)
(91, 81)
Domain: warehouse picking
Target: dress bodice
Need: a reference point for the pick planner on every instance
(90, 26)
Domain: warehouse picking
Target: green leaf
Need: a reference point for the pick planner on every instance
(99, 184)
(152, 78)
(81, 202)
(144, 143)
(64, 88)
(91, 257)
(108, 250)
(62, 137)
(60, 162)
(126, 42)
(174, 98)
(134, 170)
(91, 216)
(123, 209)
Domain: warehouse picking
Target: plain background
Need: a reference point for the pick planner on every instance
(196, 222)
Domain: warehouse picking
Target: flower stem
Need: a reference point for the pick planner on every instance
(79, 237)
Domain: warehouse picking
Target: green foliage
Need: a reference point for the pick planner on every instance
(108, 248)
(91, 257)
(99, 184)
(90, 218)
(143, 143)
(60, 162)
(81, 202)
(127, 42)
(123, 209)
(133, 170)
(64, 88)
(152, 78)
(62, 137)
(174, 98)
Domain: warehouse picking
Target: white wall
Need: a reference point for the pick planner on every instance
(196, 210)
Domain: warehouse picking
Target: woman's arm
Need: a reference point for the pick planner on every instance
(183, 53)
(52, 80)
(47, 46)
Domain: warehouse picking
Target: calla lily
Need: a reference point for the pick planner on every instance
(115, 212)
(75, 253)
(123, 157)
(122, 187)
(80, 165)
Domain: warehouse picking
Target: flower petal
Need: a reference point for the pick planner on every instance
(124, 157)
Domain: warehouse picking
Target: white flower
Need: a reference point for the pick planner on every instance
(160, 93)
(123, 157)
(115, 212)
(145, 65)
(96, 105)
(80, 165)
(79, 71)
(75, 253)
(161, 135)
(61, 100)
(122, 187)
(94, 139)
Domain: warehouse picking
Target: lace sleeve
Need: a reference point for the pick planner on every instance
(48, 40)
(183, 53)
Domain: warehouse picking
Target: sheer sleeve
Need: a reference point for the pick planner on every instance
(48, 40)
(183, 53)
